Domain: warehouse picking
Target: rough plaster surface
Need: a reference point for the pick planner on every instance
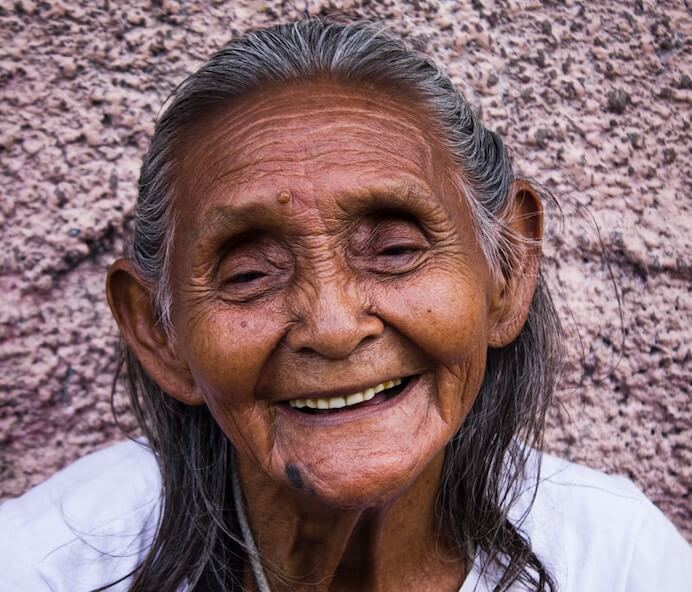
(593, 98)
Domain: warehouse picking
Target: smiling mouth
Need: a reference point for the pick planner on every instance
(369, 397)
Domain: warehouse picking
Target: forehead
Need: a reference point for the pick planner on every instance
(321, 141)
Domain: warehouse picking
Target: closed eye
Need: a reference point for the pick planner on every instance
(245, 277)
(397, 250)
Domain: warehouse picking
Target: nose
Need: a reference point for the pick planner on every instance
(334, 321)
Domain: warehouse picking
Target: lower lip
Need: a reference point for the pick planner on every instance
(347, 415)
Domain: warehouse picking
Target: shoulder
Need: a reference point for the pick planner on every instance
(571, 488)
(89, 524)
(600, 532)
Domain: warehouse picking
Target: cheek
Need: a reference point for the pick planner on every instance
(226, 349)
(226, 352)
(442, 313)
(446, 316)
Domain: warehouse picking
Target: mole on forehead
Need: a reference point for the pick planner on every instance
(412, 195)
(284, 196)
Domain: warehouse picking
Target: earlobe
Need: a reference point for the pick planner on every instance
(514, 291)
(131, 303)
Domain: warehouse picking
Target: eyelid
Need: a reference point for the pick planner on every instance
(246, 291)
(402, 231)
(264, 257)
(242, 262)
(238, 241)
(254, 246)
(243, 272)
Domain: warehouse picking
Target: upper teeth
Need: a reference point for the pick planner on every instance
(338, 402)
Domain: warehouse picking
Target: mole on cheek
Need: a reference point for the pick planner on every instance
(284, 196)
(294, 477)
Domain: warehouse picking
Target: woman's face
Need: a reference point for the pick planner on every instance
(321, 256)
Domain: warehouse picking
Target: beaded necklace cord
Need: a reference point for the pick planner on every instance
(255, 562)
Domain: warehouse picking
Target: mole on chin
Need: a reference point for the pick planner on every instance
(294, 477)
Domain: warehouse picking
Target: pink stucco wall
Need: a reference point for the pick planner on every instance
(593, 97)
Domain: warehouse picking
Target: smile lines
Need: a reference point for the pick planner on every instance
(339, 402)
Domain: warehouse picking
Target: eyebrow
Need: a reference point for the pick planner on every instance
(235, 219)
(406, 195)
(238, 218)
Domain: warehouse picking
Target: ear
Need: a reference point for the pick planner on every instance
(514, 291)
(132, 304)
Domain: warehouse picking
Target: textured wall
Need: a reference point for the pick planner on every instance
(594, 99)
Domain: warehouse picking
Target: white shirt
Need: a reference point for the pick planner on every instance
(93, 522)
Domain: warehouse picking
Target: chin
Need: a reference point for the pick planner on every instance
(360, 483)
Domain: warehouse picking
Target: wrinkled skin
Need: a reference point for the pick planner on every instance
(324, 248)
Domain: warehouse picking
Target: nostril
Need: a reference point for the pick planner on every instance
(368, 340)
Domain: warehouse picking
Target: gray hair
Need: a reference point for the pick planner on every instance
(486, 459)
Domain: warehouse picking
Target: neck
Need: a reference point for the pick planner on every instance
(308, 545)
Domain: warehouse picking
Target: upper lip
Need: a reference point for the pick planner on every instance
(344, 391)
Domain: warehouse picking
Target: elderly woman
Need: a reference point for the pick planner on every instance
(340, 349)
